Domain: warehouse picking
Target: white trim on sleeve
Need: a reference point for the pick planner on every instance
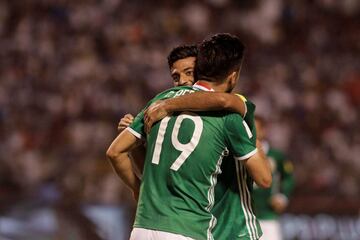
(248, 131)
(247, 155)
(135, 133)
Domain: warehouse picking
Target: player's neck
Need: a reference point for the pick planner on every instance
(211, 86)
(204, 85)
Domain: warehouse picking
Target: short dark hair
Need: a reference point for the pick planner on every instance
(181, 52)
(218, 56)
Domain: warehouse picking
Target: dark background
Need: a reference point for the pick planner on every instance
(69, 70)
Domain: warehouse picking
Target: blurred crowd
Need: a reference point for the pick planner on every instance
(69, 70)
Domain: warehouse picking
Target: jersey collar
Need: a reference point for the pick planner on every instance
(203, 86)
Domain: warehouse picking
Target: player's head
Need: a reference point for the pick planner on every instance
(260, 125)
(219, 59)
(181, 62)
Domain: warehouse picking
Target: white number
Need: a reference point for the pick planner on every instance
(159, 140)
(187, 148)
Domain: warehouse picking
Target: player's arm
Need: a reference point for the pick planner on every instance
(198, 101)
(137, 154)
(206, 101)
(243, 144)
(259, 168)
(117, 154)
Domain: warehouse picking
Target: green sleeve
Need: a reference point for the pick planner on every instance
(137, 126)
(250, 111)
(240, 139)
(250, 114)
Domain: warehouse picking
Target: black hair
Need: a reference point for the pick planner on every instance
(218, 56)
(181, 52)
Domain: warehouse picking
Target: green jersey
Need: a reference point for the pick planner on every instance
(283, 183)
(233, 201)
(183, 159)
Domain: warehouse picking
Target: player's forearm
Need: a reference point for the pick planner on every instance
(260, 170)
(138, 158)
(206, 101)
(117, 153)
(121, 164)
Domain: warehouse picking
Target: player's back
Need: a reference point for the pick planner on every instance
(184, 154)
(183, 159)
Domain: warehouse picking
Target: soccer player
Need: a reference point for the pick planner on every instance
(233, 200)
(185, 151)
(271, 202)
(181, 62)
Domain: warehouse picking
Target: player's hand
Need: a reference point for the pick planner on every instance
(154, 113)
(125, 122)
(279, 202)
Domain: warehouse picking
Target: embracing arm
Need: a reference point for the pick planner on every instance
(198, 101)
(137, 154)
(206, 101)
(117, 153)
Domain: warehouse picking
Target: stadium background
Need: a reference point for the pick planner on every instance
(69, 70)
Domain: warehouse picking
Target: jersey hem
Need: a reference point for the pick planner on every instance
(135, 133)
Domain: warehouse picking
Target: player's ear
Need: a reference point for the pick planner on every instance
(233, 77)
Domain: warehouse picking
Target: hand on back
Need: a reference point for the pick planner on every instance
(155, 112)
